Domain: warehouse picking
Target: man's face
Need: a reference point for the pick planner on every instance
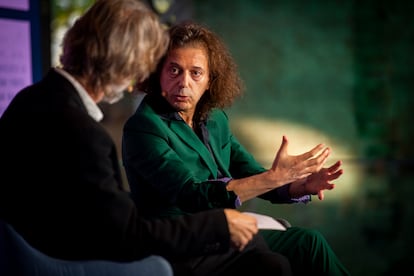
(185, 78)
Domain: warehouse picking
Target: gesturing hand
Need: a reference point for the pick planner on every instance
(289, 168)
(319, 181)
(242, 228)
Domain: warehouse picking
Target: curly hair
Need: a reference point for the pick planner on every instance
(225, 82)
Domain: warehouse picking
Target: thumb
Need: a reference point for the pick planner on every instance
(284, 141)
(283, 147)
(281, 151)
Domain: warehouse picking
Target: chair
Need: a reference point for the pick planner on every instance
(284, 222)
(18, 258)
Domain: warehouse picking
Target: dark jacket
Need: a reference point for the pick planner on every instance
(60, 186)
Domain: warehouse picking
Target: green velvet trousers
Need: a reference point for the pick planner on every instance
(307, 250)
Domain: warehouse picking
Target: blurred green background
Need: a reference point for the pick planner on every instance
(333, 72)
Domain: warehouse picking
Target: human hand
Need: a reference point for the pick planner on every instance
(289, 168)
(242, 228)
(317, 182)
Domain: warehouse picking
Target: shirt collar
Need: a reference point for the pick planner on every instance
(92, 108)
(173, 115)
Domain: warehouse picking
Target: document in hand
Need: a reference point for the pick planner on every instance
(266, 222)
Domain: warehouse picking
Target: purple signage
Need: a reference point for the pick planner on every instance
(15, 59)
(15, 4)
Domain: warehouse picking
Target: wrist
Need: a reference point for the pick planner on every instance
(305, 190)
(299, 188)
(237, 201)
(299, 191)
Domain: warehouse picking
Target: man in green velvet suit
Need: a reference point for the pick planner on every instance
(181, 157)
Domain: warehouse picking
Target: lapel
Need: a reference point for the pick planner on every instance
(214, 134)
(182, 130)
(188, 136)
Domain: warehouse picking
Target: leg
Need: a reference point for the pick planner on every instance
(256, 256)
(307, 250)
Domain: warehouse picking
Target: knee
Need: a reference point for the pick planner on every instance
(284, 266)
(273, 264)
(312, 239)
(310, 234)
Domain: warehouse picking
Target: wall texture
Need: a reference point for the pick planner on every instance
(341, 73)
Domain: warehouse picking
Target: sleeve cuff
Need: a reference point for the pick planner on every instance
(237, 201)
(284, 193)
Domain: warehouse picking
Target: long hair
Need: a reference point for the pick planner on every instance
(225, 82)
(114, 40)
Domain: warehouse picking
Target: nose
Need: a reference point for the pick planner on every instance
(184, 79)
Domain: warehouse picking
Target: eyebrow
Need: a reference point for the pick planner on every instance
(172, 63)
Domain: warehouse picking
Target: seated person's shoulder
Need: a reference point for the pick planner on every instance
(218, 115)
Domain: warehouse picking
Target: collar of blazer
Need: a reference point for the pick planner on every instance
(177, 125)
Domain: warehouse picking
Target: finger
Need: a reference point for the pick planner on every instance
(335, 166)
(249, 226)
(321, 195)
(313, 152)
(320, 160)
(246, 238)
(335, 175)
(324, 155)
(302, 175)
(315, 164)
(251, 221)
(252, 228)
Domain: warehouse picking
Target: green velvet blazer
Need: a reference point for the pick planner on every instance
(169, 168)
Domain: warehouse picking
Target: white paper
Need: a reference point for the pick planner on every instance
(266, 222)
